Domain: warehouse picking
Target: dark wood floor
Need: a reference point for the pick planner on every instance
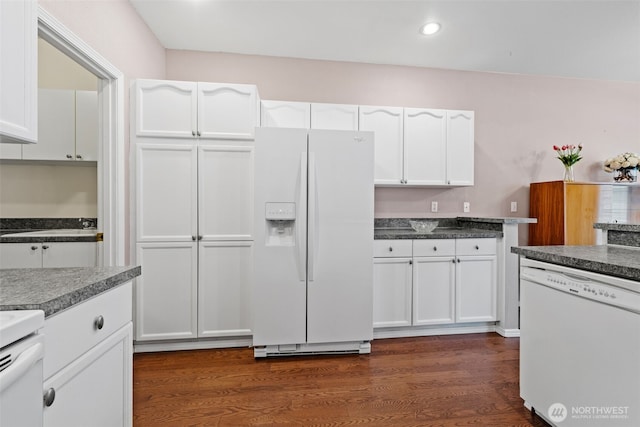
(456, 380)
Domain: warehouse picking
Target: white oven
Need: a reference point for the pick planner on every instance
(579, 346)
(21, 352)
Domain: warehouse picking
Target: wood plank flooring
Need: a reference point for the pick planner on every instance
(456, 380)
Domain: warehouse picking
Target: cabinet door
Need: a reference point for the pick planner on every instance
(166, 108)
(166, 192)
(391, 292)
(227, 111)
(284, 114)
(224, 288)
(387, 123)
(425, 150)
(19, 71)
(334, 116)
(69, 254)
(460, 147)
(433, 290)
(476, 284)
(10, 151)
(20, 255)
(95, 389)
(166, 295)
(86, 125)
(225, 188)
(56, 127)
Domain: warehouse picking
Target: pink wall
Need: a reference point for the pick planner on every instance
(518, 119)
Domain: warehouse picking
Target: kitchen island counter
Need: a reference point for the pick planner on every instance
(55, 289)
(617, 261)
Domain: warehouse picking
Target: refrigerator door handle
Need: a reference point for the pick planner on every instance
(312, 212)
(300, 227)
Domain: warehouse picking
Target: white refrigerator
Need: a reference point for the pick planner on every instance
(313, 258)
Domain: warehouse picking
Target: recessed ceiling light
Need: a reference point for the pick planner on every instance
(430, 28)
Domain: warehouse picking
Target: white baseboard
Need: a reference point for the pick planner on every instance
(508, 333)
(145, 347)
(416, 331)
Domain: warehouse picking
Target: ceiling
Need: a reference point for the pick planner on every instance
(595, 39)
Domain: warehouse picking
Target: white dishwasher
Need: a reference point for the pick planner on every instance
(21, 352)
(579, 346)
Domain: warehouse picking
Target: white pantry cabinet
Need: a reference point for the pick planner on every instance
(387, 123)
(67, 125)
(49, 254)
(89, 363)
(334, 116)
(176, 109)
(285, 114)
(194, 228)
(19, 71)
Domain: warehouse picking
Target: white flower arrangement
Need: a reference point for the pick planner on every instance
(622, 161)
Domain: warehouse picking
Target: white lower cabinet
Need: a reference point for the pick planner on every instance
(88, 364)
(47, 255)
(434, 282)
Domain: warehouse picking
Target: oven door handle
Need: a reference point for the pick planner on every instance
(21, 365)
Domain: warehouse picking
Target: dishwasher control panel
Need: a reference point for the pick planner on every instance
(584, 284)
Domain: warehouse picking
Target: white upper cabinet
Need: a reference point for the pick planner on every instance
(334, 116)
(425, 146)
(68, 126)
(285, 114)
(86, 125)
(56, 122)
(18, 71)
(387, 123)
(174, 109)
(460, 143)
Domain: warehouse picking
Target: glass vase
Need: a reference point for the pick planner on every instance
(625, 175)
(568, 173)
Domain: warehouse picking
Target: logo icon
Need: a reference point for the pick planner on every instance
(557, 412)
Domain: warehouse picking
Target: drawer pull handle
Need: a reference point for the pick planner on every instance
(45, 246)
(435, 248)
(49, 397)
(99, 322)
(33, 248)
(390, 248)
(477, 247)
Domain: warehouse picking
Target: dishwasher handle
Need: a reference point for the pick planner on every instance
(21, 365)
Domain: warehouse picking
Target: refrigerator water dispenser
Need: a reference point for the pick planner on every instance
(280, 222)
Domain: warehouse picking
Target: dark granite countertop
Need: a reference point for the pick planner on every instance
(41, 239)
(55, 289)
(634, 228)
(438, 233)
(498, 220)
(612, 260)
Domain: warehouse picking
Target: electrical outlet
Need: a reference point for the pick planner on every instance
(466, 207)
(514, 206)
(434, 206)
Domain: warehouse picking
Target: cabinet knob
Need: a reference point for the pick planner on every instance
(33, 248)
(435, 248)
(49, 396)
(99, 322)
(45, 246)
(390, 248)
(199, 237)
(193, 132)
(458, 260)
(193, 238)
(410, 262)
(78, 156)
(69, 156)
(199, 134)
(453, 260)
(477, 247)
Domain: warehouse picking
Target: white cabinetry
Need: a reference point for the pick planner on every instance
(431, 282)
(285, 114)
(18, 71)
(88, 365)
(425, 146)
(194, 220)
(387, 123)
(460, 143)
(68, 126)
(50, 254)
(392, 266)
(174, 109)
(334, 116)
